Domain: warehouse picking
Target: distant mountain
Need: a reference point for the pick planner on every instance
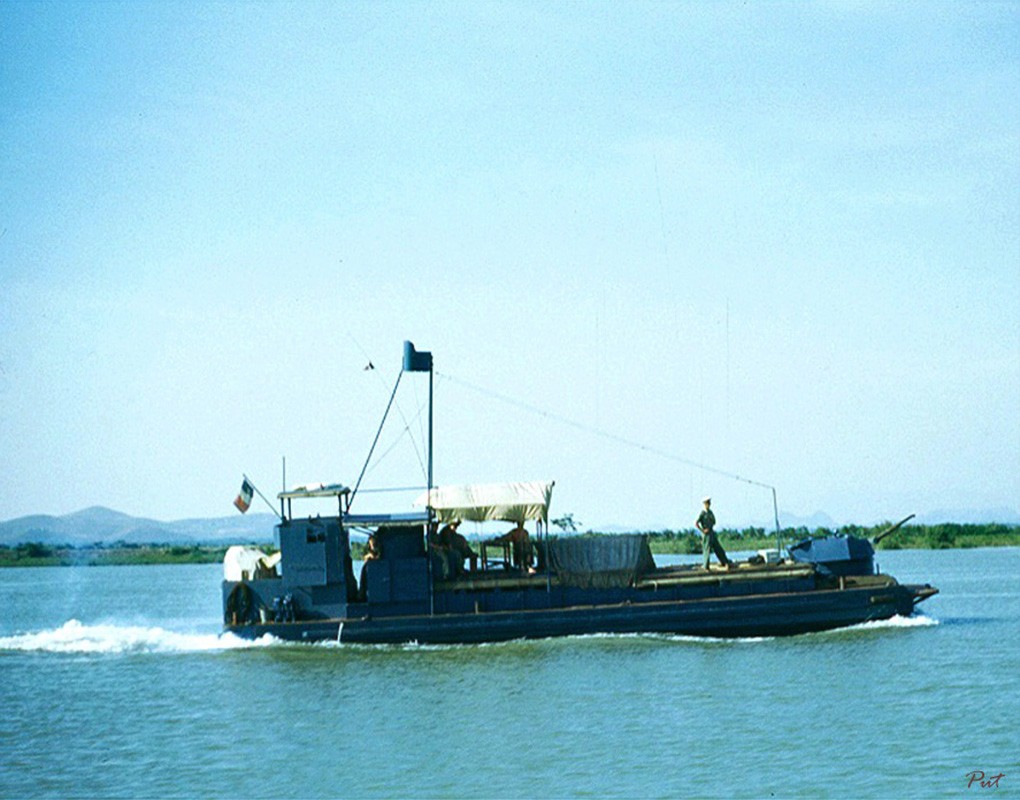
(106, 526)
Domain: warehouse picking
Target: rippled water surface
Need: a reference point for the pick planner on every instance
(115, 681)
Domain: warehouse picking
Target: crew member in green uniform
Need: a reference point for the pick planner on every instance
(709, 541)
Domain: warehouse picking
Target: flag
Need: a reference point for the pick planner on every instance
(416, 361)
(243, 500)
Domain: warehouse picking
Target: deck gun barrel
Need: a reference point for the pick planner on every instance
(892, 529)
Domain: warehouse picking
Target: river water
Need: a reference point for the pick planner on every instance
(115, 682)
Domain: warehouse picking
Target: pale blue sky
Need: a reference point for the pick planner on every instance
(779, 239)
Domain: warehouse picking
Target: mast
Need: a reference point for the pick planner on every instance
(775, 513)
(415, 361)
(430, 439)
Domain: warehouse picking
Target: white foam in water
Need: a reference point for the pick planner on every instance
(919, 621)
(74, 637)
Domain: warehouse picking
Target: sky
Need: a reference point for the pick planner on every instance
(651, 246)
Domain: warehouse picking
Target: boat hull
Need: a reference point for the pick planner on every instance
(726, 617)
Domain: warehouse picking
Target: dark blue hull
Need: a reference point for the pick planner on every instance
(724, 617)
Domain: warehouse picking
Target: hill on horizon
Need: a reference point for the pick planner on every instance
(101, 525)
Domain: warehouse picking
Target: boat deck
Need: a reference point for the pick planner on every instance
(659, 578)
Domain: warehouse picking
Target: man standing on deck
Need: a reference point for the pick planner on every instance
(709, 541)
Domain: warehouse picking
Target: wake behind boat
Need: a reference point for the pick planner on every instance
(417, 588)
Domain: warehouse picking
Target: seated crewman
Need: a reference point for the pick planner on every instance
(453, 541)
(520, 543)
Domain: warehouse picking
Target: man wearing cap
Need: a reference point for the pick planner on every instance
(709, 541)
(453, 541)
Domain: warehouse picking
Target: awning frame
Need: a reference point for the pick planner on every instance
(507, 502)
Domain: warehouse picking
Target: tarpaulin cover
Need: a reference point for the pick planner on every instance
(510, 502)
(600, 561)
(242, 563)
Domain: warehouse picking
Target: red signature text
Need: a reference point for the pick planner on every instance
(986, 782)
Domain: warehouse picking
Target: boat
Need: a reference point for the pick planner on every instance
(417, 589)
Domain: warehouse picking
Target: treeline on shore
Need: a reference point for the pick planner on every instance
(35, 554)
(938, 537)
(932, 537)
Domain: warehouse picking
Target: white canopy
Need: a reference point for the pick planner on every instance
(510, 502)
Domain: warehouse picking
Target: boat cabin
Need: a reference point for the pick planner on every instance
(314, 573)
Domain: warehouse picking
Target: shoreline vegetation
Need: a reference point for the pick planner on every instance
(682, 542)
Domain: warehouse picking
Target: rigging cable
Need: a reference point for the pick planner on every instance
(400, 410)
(375, 441)
(621, 440)
(406, 431)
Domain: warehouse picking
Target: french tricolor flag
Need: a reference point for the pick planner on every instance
(243, 500)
